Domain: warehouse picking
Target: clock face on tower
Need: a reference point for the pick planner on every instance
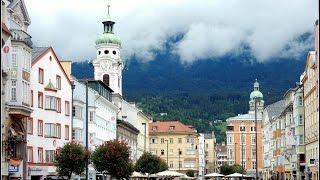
(105, 66)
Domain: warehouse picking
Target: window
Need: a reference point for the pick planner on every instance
(58, 130)
(162, 152)
(300, 139)
(40, 155)
(253, 139)
(29, 154)
(31, 98)
(180, 140)
(162, 141)
(153, 141)
(25, 92)
(58, 82)
(50, 102)
(154, 128)
(242, 128)
(50, 130)
(253, 128)
(114, 52)
(254, 165)
(91, 116)
(171, 152)
(67, 108)
(171, 140)
(77, 134)
(41, 76)
(106, 51)
(106, 79)
(300, 101)
(171, 164)
(66, 132)
(300, 120)
(13, 90)
(171, 128)
(14, 57)
(40, 100)
(58, 105)
(50, 156)
(30, 125)
(253, 150)
(40, 128)
(77, 112)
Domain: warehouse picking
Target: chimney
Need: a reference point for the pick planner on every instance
(66, 65)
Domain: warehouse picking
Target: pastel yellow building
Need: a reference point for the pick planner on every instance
(308, 80)
(210, 154)
(176, 143)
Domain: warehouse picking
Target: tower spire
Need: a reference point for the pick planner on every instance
(108, 23)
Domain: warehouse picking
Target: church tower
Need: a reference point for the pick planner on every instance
(256, 94)
(108, 65)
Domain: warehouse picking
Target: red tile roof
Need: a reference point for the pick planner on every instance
(169, 126)
(5, 28)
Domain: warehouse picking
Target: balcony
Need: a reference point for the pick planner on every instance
(276, 133)
(21, 36)
(276, 152)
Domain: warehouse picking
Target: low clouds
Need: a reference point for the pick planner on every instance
(210, 28)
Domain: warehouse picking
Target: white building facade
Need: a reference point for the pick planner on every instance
(49, 126)
(101, 116)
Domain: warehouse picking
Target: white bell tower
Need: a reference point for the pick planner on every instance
(108, 65)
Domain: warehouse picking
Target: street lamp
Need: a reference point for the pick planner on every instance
(179, 157)
(145, 136)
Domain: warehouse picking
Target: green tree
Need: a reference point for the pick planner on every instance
(226, 169)
(236, 168)
(113, 158)
(190, 173)
(149, 163)
(71, 159)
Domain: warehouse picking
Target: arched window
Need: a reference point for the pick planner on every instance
(106, 79)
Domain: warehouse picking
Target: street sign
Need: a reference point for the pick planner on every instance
(13, 169)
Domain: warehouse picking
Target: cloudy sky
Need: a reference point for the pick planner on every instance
(210, 28)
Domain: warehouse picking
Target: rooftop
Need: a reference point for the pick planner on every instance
(170, 126)
(275, 108)
(250, 117)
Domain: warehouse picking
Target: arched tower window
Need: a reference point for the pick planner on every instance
(106, 79)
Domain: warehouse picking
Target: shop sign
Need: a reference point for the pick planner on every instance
(13, 169)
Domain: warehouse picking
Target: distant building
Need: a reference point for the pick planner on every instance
(128, 133)
(175, 143)
(270, 114)
(221, 156)
(210, 153)
(241, 138)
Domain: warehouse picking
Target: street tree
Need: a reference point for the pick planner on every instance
(113, 158)
(71, 159)
(149, 163)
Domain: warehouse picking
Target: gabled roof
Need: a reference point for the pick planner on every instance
(164, 127)
(275, 109)
(38, 52)
(127, 125)
(13, 3)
